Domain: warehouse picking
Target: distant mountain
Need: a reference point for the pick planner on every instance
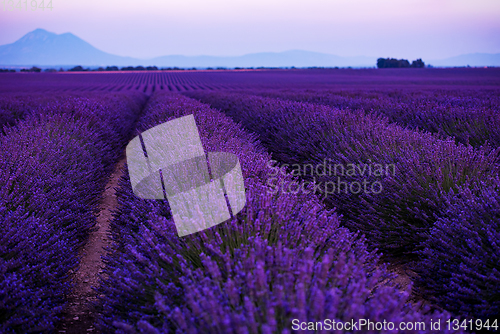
(471, 59)
(41, 47)
(295, 58)
(44, 48)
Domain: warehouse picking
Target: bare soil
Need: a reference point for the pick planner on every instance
(80, 315)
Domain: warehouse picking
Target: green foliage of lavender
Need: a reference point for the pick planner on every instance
(53, 168)
(278, 257)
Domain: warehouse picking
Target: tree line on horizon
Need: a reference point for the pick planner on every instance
(80, 68)
(399, 63)
(381, 63)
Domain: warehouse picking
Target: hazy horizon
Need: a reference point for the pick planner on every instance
(427, 29)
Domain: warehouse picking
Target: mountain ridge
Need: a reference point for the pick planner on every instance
(43, 48)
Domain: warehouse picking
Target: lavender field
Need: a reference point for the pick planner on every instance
(405, 231)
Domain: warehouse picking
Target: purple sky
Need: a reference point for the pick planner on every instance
(431, 29)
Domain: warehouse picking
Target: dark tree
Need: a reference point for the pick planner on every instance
(403, 63)
(418, 63)
(33, 69)
(77, 69)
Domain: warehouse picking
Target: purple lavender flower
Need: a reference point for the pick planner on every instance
(53, 168)
(279, 257)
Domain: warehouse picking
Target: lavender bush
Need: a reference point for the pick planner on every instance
(456, 186)
(471, 117)
(53, 167)
(272, 289)
(148, 281)
(461, 259)
(15, 106)
(427, 170)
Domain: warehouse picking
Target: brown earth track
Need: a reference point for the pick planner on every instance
(80, 315)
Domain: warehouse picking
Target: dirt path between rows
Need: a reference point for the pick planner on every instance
(80, 315)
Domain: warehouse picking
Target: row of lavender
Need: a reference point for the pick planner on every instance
(14, 107)
(283, 257)
(470, 116)
(53, 168)
(436, 209)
